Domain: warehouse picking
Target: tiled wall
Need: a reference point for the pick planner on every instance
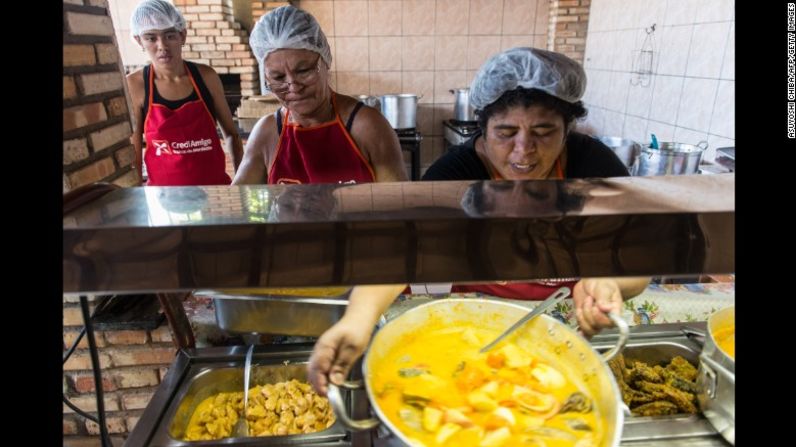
(423, 46)
(690, 96)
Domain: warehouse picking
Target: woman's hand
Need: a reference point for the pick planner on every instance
(593, 298)
(335, 351)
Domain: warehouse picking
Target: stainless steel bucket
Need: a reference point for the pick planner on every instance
(370, 101)
(400, 110)
(670, 159)
(627, 150)
(462, 110)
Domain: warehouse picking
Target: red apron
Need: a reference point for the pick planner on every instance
(537, 290)
(183, 147)
(325, 153)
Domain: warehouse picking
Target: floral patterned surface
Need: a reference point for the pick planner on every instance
(659, 303)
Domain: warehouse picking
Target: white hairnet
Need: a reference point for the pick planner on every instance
(155, 15)
(288, 27)
(530, 68)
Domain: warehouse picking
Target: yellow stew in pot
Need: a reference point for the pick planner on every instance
(440, 391)
(725, 339)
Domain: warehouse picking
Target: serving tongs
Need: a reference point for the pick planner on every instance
(557, 296)
(242, 427)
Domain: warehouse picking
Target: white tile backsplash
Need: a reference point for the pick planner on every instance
(691, 92)
(674, 47)
(639, 101)
(629, 16)
(696, 103)
(728, 63)
(688, 136)
(707, 50)
(679, 12)
(624, 49)
(617, 91)
(595, 118)
(722, 122)
(662, 131)
(635, 129)
(614, 123)
(715, 11)
(651, 12)
(666, 98)
(598, 83)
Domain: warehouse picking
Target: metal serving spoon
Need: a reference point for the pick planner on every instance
(242, 428)
(557, 296)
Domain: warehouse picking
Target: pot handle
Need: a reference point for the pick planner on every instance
(336, 401)
(718, 367)
(701, 143)
(624, 334)
(694, 334)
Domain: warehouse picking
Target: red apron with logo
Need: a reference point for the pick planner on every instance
(325, 153)
(183, 147)
(537, 290)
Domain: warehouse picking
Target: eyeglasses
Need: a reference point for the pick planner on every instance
(304, 77)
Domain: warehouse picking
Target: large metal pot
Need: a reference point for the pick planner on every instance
(716, 378)
(462, 110)
(627, 150)
(670, 159)
(370, 101)
(553, 340)
(400, 110)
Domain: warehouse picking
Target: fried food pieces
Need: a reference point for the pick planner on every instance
(656, 390)
(283, 408)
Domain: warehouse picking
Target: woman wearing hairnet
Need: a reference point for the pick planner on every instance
(317, 136)
(177, 104)
(526, 101)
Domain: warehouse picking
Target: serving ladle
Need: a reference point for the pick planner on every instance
(557, 296)
(242, 428)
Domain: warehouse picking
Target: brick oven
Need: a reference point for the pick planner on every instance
(218, 36)
(216, 39)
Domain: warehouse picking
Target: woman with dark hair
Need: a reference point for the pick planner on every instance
(527, 101)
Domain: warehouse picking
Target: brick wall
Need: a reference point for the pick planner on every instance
(133, 364)
(569, 22)
(216, 39)
(259, 8)
(95, 112)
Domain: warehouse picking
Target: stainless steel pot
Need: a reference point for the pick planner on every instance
(716, 378)
(400, 110)
(552, 339)
(627, 150)
(370, 101)
(670, 159)
(462, 110)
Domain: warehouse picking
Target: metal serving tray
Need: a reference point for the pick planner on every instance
(658, 344)
(222, 374)
(277, 314)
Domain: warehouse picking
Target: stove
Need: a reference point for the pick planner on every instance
(457, 132)
(410, 142)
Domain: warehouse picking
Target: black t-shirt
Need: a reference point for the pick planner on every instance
(586, 157)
